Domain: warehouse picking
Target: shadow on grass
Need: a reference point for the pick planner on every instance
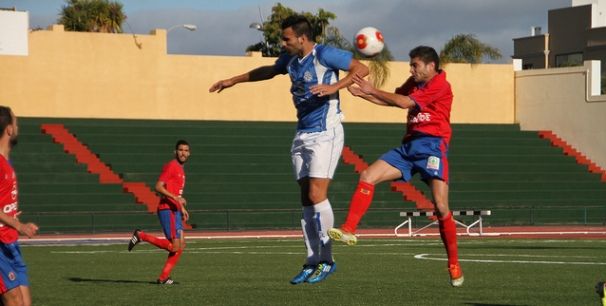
(115, 281)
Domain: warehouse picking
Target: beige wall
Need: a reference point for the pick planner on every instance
(92, 75)
(556, 99)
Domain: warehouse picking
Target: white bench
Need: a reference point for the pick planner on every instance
(409, 214)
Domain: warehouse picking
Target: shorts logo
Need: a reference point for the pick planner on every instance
(11, 276)
(433, 163)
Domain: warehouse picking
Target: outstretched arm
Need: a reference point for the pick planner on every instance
(365, 90)
(355, 68)
(257, 74)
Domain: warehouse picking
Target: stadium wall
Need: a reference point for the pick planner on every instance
(560, 100)
(99, 75)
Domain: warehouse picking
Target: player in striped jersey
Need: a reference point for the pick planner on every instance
(316, 148)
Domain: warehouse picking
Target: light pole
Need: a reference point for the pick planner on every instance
(259, 27)
(190, 27)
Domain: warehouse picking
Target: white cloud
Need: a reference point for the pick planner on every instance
(405, 23)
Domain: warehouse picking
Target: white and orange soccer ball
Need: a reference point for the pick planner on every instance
(369, 41)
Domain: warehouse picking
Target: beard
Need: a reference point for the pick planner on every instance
(181, 160)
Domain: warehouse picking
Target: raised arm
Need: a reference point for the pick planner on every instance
(257, 74)
(355, 68)
(365, 90)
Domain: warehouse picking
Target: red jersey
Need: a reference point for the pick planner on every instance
(173, 177)
(431, 115)
(8, 199)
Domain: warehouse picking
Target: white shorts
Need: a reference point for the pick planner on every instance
(317, 154)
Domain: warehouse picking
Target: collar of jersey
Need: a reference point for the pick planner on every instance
(307, 55)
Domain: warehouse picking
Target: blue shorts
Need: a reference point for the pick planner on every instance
(170, 220)
(426, 155)
(13, 271)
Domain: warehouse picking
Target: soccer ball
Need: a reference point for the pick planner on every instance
(369, 41)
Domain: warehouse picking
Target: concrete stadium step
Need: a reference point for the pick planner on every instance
(61, 187)
(92, 198)
(65, 177)
(238, 165)
(524, 185)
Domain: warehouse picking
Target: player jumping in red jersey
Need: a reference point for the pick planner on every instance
(428, 97)
(171, 212)
(14, 283)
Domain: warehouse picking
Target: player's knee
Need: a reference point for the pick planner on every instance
(442, 208)
(368, 177)
(12, 297)
(316, 196)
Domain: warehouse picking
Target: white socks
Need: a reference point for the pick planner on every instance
(310, 234)
(317, 220)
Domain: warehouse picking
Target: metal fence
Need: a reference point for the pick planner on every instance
(247, 219)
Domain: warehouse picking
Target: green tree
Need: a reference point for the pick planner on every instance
(378, 64)
(272, 32)
(324, 33)
(466, 48)
(92, 16)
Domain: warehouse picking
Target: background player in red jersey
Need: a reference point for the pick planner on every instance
(14, 283)
(428, 97)
(171, 212)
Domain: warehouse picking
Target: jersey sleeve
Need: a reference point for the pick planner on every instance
(428, 94)
(335, 58)
(166, 173)
(282, 63)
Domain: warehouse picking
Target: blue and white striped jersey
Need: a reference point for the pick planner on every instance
(321, 66)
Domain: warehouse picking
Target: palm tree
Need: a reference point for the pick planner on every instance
(465, 48)
(92, 16)
(326, 34)
(378, 64)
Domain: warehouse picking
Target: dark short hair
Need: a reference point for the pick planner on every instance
(6, 117)
(300, 25)
(181, 142)
(426, 54)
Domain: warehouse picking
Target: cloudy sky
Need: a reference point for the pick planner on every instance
(223, 24)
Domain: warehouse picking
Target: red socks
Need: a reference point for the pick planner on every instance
(360, 201)
(448, 233)
(173, 257)
(158, 242)
(171, 261)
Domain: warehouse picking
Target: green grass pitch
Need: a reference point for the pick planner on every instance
(375, 272)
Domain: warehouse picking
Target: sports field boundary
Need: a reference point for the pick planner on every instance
(518, 232)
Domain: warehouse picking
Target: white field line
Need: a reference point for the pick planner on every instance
(262, 250)
(85, 239)
(426, 257)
